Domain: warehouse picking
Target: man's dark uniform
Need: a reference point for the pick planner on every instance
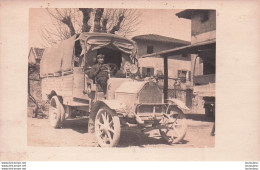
(100, 73)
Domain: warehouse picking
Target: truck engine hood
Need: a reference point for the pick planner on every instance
(133, 92)
(131, 87)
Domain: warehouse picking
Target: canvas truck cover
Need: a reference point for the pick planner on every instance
(58, 58)
(94, 41)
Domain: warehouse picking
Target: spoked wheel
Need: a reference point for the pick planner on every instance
(174, 127)
(107, 127)
(56, 112)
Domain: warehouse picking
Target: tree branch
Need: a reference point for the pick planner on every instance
(117, 26)
(67, 22)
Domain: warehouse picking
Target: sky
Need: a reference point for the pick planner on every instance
(153, 21)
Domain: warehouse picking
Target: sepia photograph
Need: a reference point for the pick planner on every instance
(129, 81)
(109, 77)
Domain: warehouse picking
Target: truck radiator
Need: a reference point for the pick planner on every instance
(150, 94)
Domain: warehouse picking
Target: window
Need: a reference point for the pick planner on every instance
(184, 75)
(147, 71)
(149, 49)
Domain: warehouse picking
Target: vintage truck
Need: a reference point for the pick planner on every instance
(130, 100)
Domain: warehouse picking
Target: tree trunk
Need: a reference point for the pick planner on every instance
(67, 21)
(86, 16)
(104, 25)
(98, 16)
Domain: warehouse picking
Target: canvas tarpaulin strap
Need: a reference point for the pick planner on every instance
(120, 44)
(58, 58)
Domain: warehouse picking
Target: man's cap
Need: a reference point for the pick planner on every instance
(100, 56)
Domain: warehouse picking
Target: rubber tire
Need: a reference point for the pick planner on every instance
(183, 133)
(56, 112)
(116, 124)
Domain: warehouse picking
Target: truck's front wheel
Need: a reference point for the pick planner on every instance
(56, 111)
(107, 127)
(175, 127)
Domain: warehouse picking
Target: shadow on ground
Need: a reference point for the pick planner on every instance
(128, 137)
(78, 125)
(135, 138)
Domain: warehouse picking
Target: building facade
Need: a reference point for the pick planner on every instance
(203, 59)
(35, 55)
(179, 65)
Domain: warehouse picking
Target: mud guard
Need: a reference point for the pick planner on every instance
(179, 104)
(116, 105)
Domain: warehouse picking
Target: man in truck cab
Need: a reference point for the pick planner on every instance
(99, 72)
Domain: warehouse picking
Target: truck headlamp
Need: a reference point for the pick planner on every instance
(133, 69)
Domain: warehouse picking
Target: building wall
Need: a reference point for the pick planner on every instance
(203, 31)
(200, 32)
(196, 66)
(173, 65)
(199, 27)
(158, 46)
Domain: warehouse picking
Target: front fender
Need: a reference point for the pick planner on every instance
(116, 105)
(178, 103)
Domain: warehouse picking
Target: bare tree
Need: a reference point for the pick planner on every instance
(67, 22)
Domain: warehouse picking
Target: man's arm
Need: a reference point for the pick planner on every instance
(93, 71)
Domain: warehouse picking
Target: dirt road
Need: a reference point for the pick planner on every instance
(74, 133)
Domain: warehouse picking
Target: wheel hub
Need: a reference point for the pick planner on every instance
(105, 127)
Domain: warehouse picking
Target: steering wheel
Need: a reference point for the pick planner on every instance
(112, 67)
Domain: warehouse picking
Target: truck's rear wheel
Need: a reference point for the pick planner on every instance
(56, 112)
(174, 128)
(107, 127)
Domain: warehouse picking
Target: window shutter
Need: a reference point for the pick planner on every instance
(179, 73)
(144, 71)
(189, 75)
(152, 71)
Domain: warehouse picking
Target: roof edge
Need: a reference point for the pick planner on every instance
(188, 13)
(170, 39)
